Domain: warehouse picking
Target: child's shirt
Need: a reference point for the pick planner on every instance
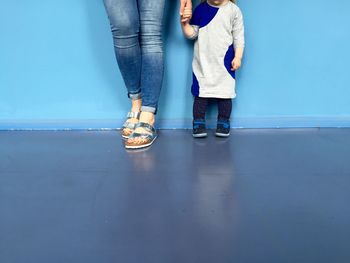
(218, 30)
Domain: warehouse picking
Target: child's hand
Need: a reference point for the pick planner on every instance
(236, 63)
(186, 15)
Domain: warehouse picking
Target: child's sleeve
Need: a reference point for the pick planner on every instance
(195, 22)
(238, 30)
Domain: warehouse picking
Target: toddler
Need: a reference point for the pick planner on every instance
(218, 30)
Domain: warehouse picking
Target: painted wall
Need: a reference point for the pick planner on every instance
(57, 66)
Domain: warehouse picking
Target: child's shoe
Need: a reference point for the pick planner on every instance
(223, 129)
(199, 129)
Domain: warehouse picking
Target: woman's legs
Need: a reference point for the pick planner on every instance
(125, 25)
(137, 34)
(152, 67)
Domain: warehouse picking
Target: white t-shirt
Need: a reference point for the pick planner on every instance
(218, 31)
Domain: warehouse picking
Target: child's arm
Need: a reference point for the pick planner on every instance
(190, 31)
(238, 40)
(237, 60)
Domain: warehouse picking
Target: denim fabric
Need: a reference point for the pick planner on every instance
(137, 35)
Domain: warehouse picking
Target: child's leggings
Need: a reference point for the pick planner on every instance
(200, 106)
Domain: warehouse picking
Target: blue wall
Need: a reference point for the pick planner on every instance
(57, 66)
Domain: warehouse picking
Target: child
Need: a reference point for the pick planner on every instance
(217, 26)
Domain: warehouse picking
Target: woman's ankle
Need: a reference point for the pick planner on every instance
(136, 105)
(147, 117)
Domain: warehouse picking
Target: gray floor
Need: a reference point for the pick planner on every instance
(259, 196)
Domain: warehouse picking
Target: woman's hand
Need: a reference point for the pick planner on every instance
(236, 63)
(185, 10)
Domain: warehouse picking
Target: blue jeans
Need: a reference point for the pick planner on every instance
(137, 35)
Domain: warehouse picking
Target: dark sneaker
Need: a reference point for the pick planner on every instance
(199, 130)
(223, 129)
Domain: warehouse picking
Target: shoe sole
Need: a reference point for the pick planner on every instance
(224, 135)
(125, 137)
(201, 135)
(140, 146)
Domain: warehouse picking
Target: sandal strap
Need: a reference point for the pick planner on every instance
(129, 125)
(146, 126)
(133, 114)
(146, 136)
(149, 135)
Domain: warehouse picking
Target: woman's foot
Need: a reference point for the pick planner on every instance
(133, 118)
(145, 117)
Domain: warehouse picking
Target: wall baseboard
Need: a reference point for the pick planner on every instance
(246, 122)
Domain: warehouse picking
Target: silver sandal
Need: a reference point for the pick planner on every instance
(129, 125)
(147, 137)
